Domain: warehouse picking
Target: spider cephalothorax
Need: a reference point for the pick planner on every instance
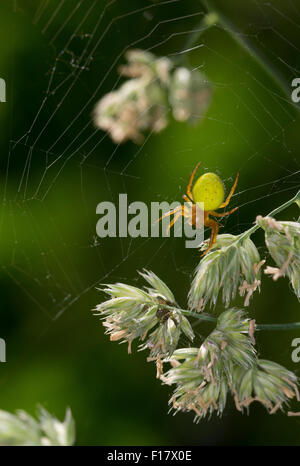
(208, 190)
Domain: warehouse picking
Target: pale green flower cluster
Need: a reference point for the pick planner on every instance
(21, 429)
(233, 265)
(283, 243)
(143, 102)
(189, 95)
(267, 382)
(226, 363)
(131, 313)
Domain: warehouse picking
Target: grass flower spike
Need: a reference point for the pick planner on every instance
(226, 362)
(202, 374)
(190, 95)
(267, 382)
(283, 243)
(131, 313)
(140, 104)
(143, 102)
(198, 389)
(233, 265)
(21, 429)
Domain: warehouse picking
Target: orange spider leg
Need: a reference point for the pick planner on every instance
(170, 213)
(188, 189)
(176, 217)
(179, 211)
(187, 199)
(214, 233)
(225, 203)
(223, 214)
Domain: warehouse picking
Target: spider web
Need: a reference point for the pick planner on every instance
(59, 166)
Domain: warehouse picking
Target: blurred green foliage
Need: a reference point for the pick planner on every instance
(50, 260)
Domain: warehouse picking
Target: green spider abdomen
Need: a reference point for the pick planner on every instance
(209, 189)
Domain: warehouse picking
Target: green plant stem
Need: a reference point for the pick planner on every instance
(259, 327)
(289, 326)
(295, 199)
(215, 17)
(255, 54)
(209, 20)
(200, 316)
(206, 22)
(251, 50)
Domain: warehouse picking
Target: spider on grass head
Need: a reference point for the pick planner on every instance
(209, 190)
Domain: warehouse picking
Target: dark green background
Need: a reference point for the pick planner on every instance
(48, 255)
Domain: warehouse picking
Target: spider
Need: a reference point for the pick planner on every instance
(208, 189)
